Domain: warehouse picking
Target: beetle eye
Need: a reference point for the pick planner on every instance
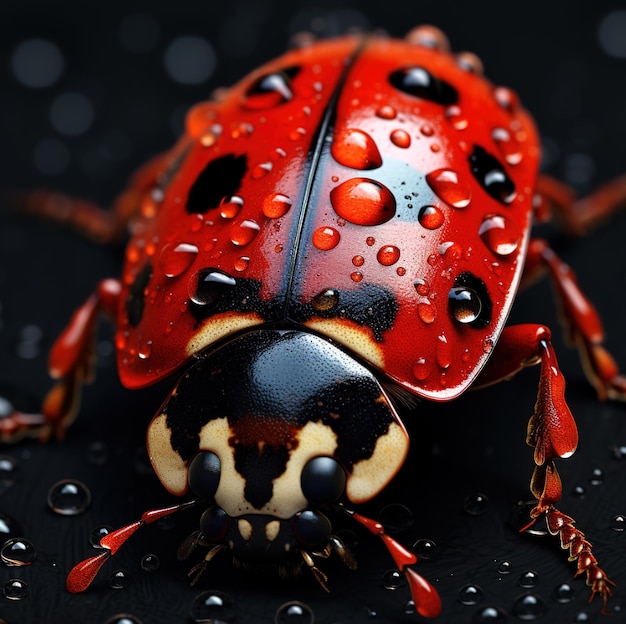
(214, 524)
(311, 528)
(204, 474)
(323, 481)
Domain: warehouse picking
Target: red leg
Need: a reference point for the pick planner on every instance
(552, 433)
(583, 325)
(102, 225)
(579, 216)
(72, 358)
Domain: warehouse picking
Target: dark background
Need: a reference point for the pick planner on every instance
(568, 69)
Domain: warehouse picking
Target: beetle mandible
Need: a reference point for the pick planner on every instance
(354, 213)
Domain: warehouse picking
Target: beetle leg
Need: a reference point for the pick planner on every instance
(552, 433)
(102, 225)
(579, 216)
(72, 359)
(82, 575)
(582, 323)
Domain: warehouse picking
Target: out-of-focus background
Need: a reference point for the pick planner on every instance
(89, 91)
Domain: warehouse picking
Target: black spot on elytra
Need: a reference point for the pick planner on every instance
(219, 179)
(369, 305)
(420, 83)
(136, 299)
(491, 175)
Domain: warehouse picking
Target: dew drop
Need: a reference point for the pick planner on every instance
(427, 311)
(448, 186)
(393, 579)
(386, 112)
(8, 465)
(425, 549)
(456, 118)
(421, 286)
(370, 241)
(326, 238)
(270, 90)
(470, 595)
(421, 369)
(487, 345)
(15, 589)
(508, 146)
(400, 138)
(505, 567)
(618, 523)
(358, 261)
(579, 491)
(176, 258)
(8, 528)
(475, 504)
(490, 615)
(363, 201)
(443, 351)
(529, 607)
(241, 264)
(325, 300)
(294, 612)
(243, 232)
(97, 534)
(564, 593)
(212, 606)
(150, 563)
(69, 497)
(395, 518)
(356, 276)
(18, 551)
(123, 618)
(528, 579)
(356, 149)
(506, 98)
(230, 206)
(261, 170)
(499, 234)
(388, 255)
(119, 579)
(431, 217)
(276, 205)
(464, 304)
(597, 476)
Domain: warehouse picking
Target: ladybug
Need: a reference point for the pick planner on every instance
(347, 226)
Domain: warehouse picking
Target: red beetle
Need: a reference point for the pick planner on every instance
(354, 213)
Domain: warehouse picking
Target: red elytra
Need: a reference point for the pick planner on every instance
(378, 193)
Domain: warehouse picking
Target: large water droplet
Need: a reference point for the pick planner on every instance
(470, 595)
(529, 607)
(15, 589)
(508, 145)
(276, 205)
(564, 593)
(18, 552)
(475, 504)
(230, 206)
(294, 612)
(150, 563)
(176, 258)
(490, 615)
(421, 369)
(388, 255)
(212, 606)
(450, 187)
(207, 285)
(528, 579)
(356, 149)
(395, 518)
(270, 90)
(325, 300)
(500, 234)
(618, 523)
(464, 304)
(426, 310)
(69, 497)
(504, 567)
(425, 549)
(119, 579)
(393, 579)
(400, 138)
(431, 217)
(326, 238)
(243, 232)
(97, 534)
(363, 201)
(386, 112)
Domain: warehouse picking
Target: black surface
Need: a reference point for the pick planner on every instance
(552, 56)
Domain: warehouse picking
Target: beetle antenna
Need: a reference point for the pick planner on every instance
(425, 596)
(83, 574)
